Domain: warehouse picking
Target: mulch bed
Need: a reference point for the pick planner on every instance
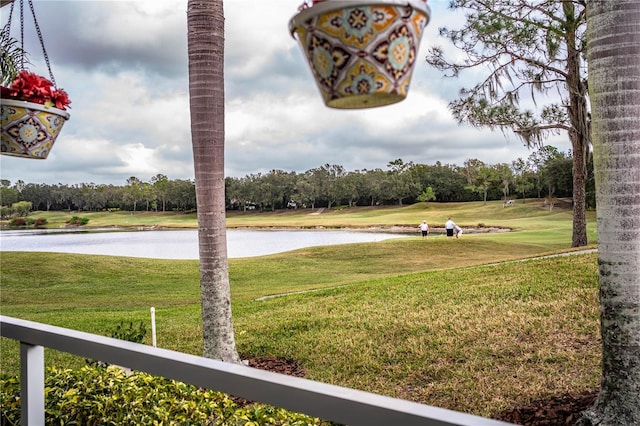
(273, 364)
(561, 410)
(277, 365)
(557, 411)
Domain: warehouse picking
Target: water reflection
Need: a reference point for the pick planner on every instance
(176, 244)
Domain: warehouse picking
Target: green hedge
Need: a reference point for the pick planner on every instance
(108, 396)
(77, 220)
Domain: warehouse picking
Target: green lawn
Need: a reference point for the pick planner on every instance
(430, 320)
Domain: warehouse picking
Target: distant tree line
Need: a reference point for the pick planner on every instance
(545, 173)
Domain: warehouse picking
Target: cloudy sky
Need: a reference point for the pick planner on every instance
(124, 66)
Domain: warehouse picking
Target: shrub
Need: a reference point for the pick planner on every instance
(5, 212)
(97, 395)
(130, 332)
(17, 222)
(22, 208)
(78, 221)
(123, 331)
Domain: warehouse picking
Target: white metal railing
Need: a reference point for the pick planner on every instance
(329, 402)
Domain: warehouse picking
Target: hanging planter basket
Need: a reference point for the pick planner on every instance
(32, 108)
(361, 52)
(28, 129)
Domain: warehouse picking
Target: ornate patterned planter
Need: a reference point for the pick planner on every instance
(361, 52)
(29, 129)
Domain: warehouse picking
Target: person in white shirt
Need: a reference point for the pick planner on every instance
(424, 228)
(458, 231)
(449, 226)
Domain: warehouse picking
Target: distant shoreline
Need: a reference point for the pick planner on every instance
(391, 229)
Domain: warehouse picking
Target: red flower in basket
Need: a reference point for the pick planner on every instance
(31, 87)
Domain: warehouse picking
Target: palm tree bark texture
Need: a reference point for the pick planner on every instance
(613, 31)
(205, 41)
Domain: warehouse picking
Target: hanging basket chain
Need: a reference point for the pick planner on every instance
(8, 24)
(44, 51)
(22, 33)
(7, 27)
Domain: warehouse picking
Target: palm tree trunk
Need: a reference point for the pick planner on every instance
(205, 19)
(614, 80)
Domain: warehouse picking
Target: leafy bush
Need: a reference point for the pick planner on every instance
(39, 222)
(5, 212)
(20, 222)
(96, 395)
(123, 331)
(77, 220)
(21, 208)
(130, 332)
(17, 222)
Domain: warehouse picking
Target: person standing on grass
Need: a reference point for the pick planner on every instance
(457, 230)
(449, 226)
(424, 228)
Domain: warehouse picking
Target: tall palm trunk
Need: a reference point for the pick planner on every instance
(205, 19)
(614, 86)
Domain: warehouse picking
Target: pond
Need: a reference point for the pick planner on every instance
(177, 244)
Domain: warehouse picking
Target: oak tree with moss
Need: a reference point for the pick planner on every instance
(528, 51)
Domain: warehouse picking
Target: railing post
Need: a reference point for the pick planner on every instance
(31, 384)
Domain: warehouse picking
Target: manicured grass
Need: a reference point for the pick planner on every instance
(477, 340)
(430, 320)
(58, 219)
